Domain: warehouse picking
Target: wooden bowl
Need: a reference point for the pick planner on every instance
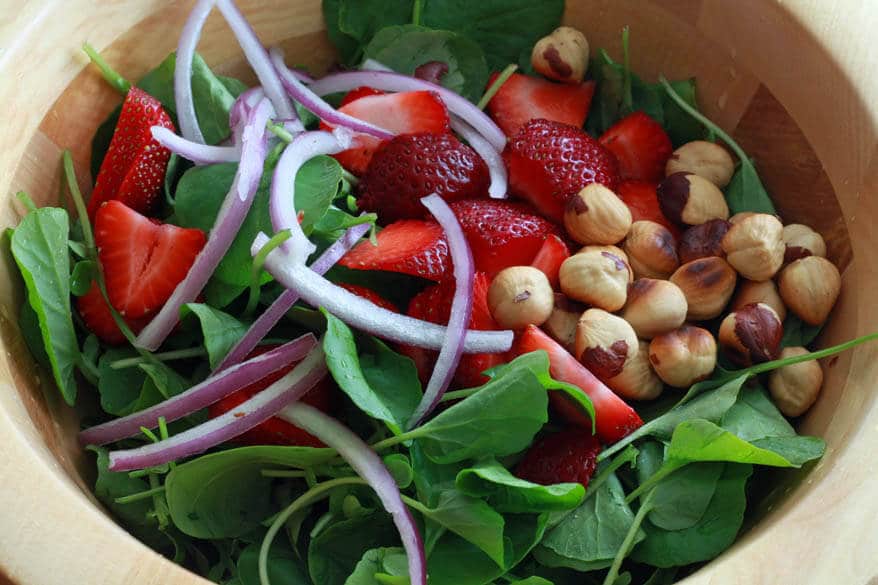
(791, 81)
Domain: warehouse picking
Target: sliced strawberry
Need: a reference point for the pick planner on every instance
(143, 261)
(523, 98)
(642, 200)
(641, 146)
(551, 255)
(133, 170)
(566, 457)
(276, 431)
(370, 295)
(401, 113)
(97, 317)
(549, 162)
(412, 166)
(411, 246)
(502, 234)
(357, 93)
(614, 418)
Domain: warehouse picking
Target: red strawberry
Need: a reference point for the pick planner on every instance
(370, 295)
(552, 254)
(549, 162)
(409, 246)
(143, 261)
(412, 166)
(275, 431)
(97, 317)
(523, 98)
(641, 146)
(566, 457)
(401, 113)
(502, 234)
(358, 93)
(614, 418)
(134, 167)
(642, 200)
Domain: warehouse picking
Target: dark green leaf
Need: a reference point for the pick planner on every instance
(754, 416)
(431, 478)
(166, 381)
(747, 193)
(373, 562)
(120, 389)
(360, 20)
(507, 493)
(797, 333)
(346, 45)
(681, 499)
(680, 126)
(218, 294)
(283, 566)
(219, 330)
(472, 519)
(83, 274)
(334, 553)
(29, 324)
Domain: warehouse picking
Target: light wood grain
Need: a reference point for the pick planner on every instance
(791, 79)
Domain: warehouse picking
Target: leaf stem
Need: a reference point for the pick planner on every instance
(113, 77)
(654, 480)
(79, 203)
(146, 494)
(623, 551)
(498, 83)
(25, 199)
(178, 354)
(627, 96)
(256, 269)
(282, 473)
(416, 12)
(459, 394)
(279, 131)
(397, 439)
(89, 371)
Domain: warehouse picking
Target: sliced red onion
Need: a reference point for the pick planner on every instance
(314, 103)
(200, 154)
(183, 100)
(461, 308)
(373, 65)
(202, 395)
(233, 423)
(275, 312)
(389, 81)
(242, 107)
(258, 58)
(231, 215)
(365, 315)
(366, 463)
(492, 158)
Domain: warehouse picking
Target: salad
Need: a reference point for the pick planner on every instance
(417, 322)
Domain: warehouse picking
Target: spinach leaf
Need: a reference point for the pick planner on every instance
(219, 330)
(39, 246)
(166, 381)
(219, 295)
(383, 384)
(83, 274)
(531, 581)
(283, 566)
(507, 493)
(375, 561)
(754, 416)
(797, 333)
(346, 45)
(120, 389)
(431, 478)
(334, 553)
(681, 499)
(405, 48)
(680, 126)
(701, 440)
(355, 22)
(29, 324)
(471, 519)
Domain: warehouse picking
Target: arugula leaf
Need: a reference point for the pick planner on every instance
(39, 246)
(507, 493)
(219, 330)
(334, 553)
(405, 48)
(283, 566)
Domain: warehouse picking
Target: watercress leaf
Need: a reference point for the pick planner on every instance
(373, 562)
(507, 493)
(333, 554)
(360, 20)
(472, 519)
(219, 330)
(797, 333)
(681, 499)
(39, 246)
(283, 566)
(80, 279)
(405, 48)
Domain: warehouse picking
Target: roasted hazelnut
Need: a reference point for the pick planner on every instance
(597, 275)
(754, 246)
(794, 388)
(705, 159)
(741, 216)
(637, 381)
(801, 241)
(809, 287)
(702, 241)
(651, 249)
(561, 324)
(520, 296)
(750, 291)
(708, 284)
(654, 307)
(751, 335)
(683, 356)
(596, 215)
(691, 200)
(604, 342)
(562, 55)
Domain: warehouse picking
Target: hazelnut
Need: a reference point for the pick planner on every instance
(741, 216)
(801, 241)
(654, 307)
(604, 342)
(562, 55)
(520, 296)
(691, 200)
(705, 159)
(596, 215)
(651, 249)
(561, 324)
(708, 284)
(795, 388)
(703, 240)
(684, 356)
(637, 381)
(750, 291)
(754, 246)
(809, 287)
(597, 275)
(751, 334)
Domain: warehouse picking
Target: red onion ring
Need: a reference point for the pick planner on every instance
(186, 45)
(200, 154)
(492, 158)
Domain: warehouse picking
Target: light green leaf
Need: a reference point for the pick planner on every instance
(508, 493)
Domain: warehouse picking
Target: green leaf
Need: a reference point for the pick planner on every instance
(29, 324)
(471, 519)
(360, 20)
(376, 561)
(335, 552)
(797, 333)
(682, 498)
(701, 440)
(754, 416)
(219, 295)
(39, 246)
(507, 493)
(83, 274)
(347, 46)
(679, 125)
(431, 478)
(531, 581)
(219, 330)
(405, 48)
(120, 389)
(383, 384)
(166, 381)
(283, 566)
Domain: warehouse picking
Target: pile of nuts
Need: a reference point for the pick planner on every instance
(637, 307)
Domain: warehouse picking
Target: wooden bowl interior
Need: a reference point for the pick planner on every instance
(729, 47)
